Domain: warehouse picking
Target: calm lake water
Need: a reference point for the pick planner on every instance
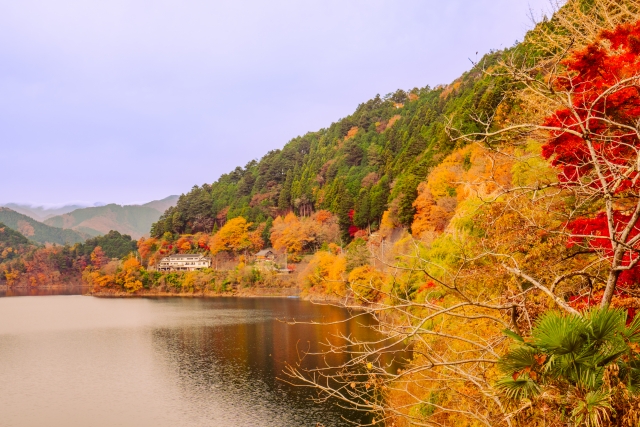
(72, 360)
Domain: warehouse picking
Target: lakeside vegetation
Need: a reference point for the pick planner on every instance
(27, 263)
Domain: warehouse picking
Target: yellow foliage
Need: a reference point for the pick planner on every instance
(11, 276)
(531, 168)
(97, 278)
(325, 273)
(388, 223)
(366, 283)
(189, 281)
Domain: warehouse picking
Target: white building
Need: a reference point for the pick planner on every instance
(184, 262)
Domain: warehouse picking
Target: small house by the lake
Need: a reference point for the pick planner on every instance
(266, 255)
(184, 262)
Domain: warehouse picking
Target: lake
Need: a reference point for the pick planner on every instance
(73, 360)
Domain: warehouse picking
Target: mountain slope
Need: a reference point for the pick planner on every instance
(11, 238)
(134, 220)
(366, 162)
(37, 231)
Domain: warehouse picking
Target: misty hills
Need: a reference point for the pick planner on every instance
(42, 213)
(134, 220)
(39, 232)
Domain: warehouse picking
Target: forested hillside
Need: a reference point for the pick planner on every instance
(37, 231)
(367, 161)
(113, 245)
(12, 243)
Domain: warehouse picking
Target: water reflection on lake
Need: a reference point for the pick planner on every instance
(85, 361)
(42, 291)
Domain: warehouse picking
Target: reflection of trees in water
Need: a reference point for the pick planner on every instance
(27, 291)
(242, 361)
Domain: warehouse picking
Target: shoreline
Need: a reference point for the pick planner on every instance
(258, 292)
(293, 292)
(243, 293)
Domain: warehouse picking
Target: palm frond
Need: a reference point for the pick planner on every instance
(632, 332)
(603, 325)
(522, 388)
(518, 359)
(592, 411)
(560, 334)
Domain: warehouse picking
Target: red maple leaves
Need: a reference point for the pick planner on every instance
(595, 144)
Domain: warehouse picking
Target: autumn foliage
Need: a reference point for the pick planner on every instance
(595, 145)
(236, 237)
(296, 235)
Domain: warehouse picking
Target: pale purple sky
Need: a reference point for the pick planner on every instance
(131, 101)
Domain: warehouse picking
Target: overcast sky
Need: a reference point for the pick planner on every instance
(131, 101)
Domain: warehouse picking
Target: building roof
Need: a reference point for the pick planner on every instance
(178, 256)
(265, 252)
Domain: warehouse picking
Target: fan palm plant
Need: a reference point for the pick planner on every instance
(584, 367)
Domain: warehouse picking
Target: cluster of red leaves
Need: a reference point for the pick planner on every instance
(591, 72)
(352, 228)
(605, 116)
(599, 240)
(426, 286)
(597, 228)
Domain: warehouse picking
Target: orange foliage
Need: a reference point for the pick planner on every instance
(352, 132)
(129, 277)
(392, 120)
(296, 235)
(322, 216)
(184, 243)
(235, 236)
(126, 275)
(98, 257)
(146, 247)
(463, 174)
(203, 241)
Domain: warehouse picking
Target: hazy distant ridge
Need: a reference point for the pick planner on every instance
(42, 213)
(134, 220)
(162, 205)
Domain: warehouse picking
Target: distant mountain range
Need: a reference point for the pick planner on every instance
(42, 213)
(37, 231)
(76, 223)
(134, 220)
